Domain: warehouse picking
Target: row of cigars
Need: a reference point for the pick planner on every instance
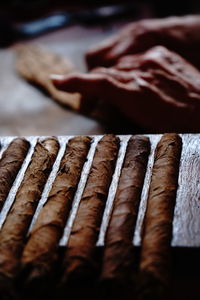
(32, 258)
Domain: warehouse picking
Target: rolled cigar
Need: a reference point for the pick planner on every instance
(14, 230)
(79, 259)
(39, 254)
(118, 257)
(10, 164)
(157, 228)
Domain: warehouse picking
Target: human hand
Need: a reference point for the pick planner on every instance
(179, 34)
(157, 90)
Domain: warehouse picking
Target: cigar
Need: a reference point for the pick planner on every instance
(40, 254)
(79, 261)
(118, 258)
(154, 271)
(15, 228)
(10, 164)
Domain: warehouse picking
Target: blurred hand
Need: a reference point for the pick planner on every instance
(180, 34)
(157, 90)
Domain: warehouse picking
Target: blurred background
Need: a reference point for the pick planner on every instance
(49, 15)
(67, 28)
(21, 10)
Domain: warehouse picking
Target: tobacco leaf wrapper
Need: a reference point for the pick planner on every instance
(40, 254)
(157, 228)
(10, 164)
(79, 257)
(14, 230)
(35, 64)
(118, 258)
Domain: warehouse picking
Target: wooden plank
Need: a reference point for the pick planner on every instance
(186, 225)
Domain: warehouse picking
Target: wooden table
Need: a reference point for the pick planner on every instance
(24, 110)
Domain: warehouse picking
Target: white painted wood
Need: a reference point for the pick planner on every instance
(186, 224)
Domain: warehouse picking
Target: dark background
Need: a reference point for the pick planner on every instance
(23, 9)
(14, 12)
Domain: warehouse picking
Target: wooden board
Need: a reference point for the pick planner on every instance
(186, 225)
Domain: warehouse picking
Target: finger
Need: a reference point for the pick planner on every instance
(89, 85)
(122, 48)
(97, 55)
(114, 74)
(107, 52)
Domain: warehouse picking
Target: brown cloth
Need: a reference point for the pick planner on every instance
(10, 164)
(36, 64)
(14, 230)
(40, 254)
(118, 258)
(79, 256)
(157, 228)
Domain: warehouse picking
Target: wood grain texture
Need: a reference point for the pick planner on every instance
(155, 257)
(186, 225)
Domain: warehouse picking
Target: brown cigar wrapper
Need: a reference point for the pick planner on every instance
(118, 259)
(157, 229)
(10, 164)
(40, 254)
(14, 230)
(79, 257)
